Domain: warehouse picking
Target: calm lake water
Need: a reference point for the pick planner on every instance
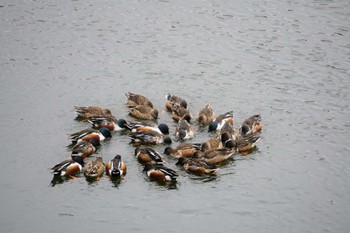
(287, 60)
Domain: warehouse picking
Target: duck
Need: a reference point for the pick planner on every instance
(215, 157)
(149, 138)
(251, 125)
(148, 155)
(184, 130)
(85, 148)
(160, 173)
(69, 167)
(206, 115)
(94, 168)
(219, 121)
(196, 166)
(143, 112)
(212, 143)
(83, 113)
(88, 134)
(182, 150)
(171, 100)
(244, 144)
(134, 100)
(116, 167)
(136, 127)
(178, 112)
(109, 122)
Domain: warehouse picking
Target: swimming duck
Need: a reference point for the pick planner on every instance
(160, 173)
(149, 138)
(251, 125)
(69, 167)
(108, 122)
(144, 112)
(183, 150)
(196, 166)
(134, 100)
(245, 144)
(213, 143)
(85, 112)
(184, 130)
(172, 100)
(215, 157)
(116, 167)
(88, 134)
(136, 127)
(219, 121)
(178, 112)
(94, 168)
(148, 155)
(85, 148)
(205, 115)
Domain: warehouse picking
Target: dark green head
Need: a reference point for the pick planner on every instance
(105, 132)
(148, 166)
(122, 123)
(95, 142)
(213, 126)
(78, 159)
(167, 140)
(182, 161)
(163, 128)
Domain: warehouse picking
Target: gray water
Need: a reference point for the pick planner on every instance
(287, 60)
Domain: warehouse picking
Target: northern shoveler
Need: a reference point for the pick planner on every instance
(171, 100)
(219, 121)
(160, 173)
(85, 148)
(85, 112)
(134, 100)
(196, 166)
(149, 138)
(148, 155)
(206, 115)
(251, 125)
(69, 167)
(215, 157)
(245, 144)
(116, 167)
(94, 168)
(184, 130)
(213, 143)
(137, 127)
(110, 123)
(183, 150)
(88, 134)
(178, 112)
(144, 112)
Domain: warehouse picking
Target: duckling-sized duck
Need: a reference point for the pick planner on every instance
(69, 167)
(196, 166)
(178, 112)
(143, 112)
(149, 138)
(85, 112)
(160, 173)
(148, 155)
(116, 167)
(88, 134)
(94, 169)
(184, 130)
(251, 125)
(134, 100)
(85, 148)
(109, 122)
(183, 150)
(171, 100)
(137, 127)
(205, 115)
(219, 121)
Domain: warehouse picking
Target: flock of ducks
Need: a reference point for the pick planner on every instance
(197, 158)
